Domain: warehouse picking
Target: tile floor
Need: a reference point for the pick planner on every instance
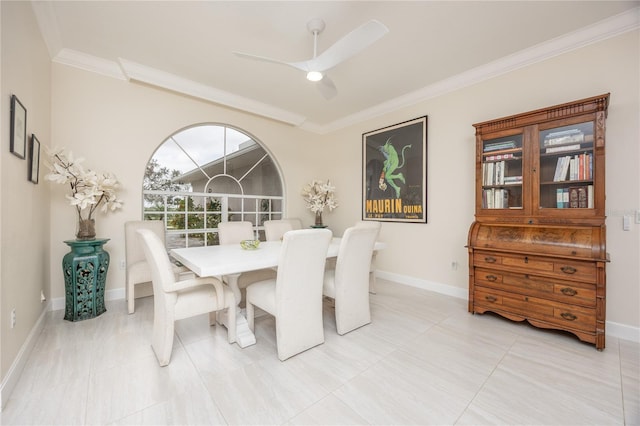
(423, 360)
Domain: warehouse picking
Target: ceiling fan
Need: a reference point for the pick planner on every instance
(343, 49)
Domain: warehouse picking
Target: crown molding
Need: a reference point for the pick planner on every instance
(142, 73)
(90, 63)
(131, 71)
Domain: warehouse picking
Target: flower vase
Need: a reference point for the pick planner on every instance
(86, 229)
(319, 223)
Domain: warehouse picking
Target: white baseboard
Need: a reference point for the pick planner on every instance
(13, 375)
(621, 331)
(460, 293)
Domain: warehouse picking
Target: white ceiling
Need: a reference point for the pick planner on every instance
(431, 47)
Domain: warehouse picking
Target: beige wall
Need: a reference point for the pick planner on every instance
(424, 253)
(117, 125)
(24, 207)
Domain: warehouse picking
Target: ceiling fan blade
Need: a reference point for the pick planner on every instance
(274, 61)
(348, 46)
(327, 88)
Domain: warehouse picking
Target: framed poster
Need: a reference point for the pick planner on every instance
(34, 159)
(394, 173)
(18, 127)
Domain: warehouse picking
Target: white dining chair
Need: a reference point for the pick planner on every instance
(233, 233)
(137, 268)
(294, 297)
(372, 269)
(348, 283)
(174, 300)
(275, 229)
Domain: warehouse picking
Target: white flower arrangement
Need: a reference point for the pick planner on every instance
(89, 190)
(318, 195)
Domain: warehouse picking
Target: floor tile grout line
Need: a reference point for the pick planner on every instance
(484, 382)
(622, 393)
(201, 378)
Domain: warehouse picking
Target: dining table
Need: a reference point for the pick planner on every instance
(230, 261)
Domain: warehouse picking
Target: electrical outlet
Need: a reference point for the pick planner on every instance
(123, 264)
(454, 265)
(13, 318)
(626, 223)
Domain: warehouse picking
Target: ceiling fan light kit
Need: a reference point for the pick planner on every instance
(314, 76)
(343, 49)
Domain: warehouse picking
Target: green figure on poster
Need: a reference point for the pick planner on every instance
(390, 165)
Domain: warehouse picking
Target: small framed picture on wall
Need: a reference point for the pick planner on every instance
(18, 127)
(34, 159)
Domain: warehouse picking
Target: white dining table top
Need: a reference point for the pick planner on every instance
(232, 259)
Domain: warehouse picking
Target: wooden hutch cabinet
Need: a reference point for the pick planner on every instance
(537, 250)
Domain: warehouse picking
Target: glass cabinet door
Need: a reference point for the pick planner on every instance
(502, 173)
(567, 167)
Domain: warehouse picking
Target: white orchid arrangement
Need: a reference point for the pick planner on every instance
(318, 195)
(89, 190)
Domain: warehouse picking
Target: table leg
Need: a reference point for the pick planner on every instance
(244, 336)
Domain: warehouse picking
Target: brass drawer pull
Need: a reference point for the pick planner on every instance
(568, 291)
(491, 278)
(568, 316)
(490, 259)
(568, 269)
(491, 298)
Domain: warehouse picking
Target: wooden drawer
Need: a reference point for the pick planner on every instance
(572, 293)
(564, 269)
(535, 308)
(583, 294)
(575, 317)
(585, 271)
(517, 304)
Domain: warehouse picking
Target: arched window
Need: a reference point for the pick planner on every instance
(207, 174)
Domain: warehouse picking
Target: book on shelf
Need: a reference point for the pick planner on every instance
(559, 204)
(573, 175)
(583, 166)
(582, 197)
(581, 171)
(496, 173)
(556, 175)
(562, 148)
(512, 180)
(561, 133)
(562, 168)
(496, 146)
(562, 198)
(498, 157)
(578, 167)
(495, 198)
(579, 197)
(575, 197)
(571, 136)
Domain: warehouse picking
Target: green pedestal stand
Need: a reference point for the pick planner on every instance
(85, 275)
